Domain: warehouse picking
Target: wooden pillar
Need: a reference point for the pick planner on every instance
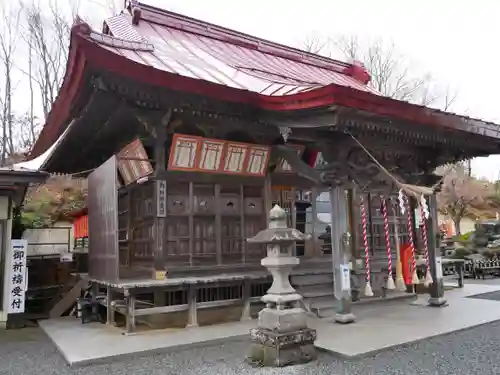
(268, 196)
(353, 229)
(110, 312)
(130, 315)
(218, 224)
(293, 213)
(340, 261)
(245, 314)
(160, 193)
(370, 223)
(192, 308)
(436, 289)
(314, 209)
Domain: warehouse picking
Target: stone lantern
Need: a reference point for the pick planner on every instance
(282, 336)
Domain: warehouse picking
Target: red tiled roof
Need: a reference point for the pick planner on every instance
(192, 49)
(162, 48)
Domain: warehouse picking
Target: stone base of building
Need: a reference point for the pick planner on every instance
(282, 349)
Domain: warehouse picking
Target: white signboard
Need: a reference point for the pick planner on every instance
(66, 257)
(17, 277)
(417, 218)
(439, 268)
(161, 198)
(345, 277)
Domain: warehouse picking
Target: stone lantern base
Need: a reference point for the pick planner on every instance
(282, 338)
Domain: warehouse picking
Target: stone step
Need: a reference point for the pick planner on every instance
(326, 306)
(312, 279)
(323, 305)
(315, 291)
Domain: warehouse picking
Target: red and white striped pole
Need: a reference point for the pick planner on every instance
(390, 280)
(428, 277)
(368, 286)
(415, 280)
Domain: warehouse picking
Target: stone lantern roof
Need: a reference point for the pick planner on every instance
(278, 232)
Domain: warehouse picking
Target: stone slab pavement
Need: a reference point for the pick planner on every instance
(379, 327)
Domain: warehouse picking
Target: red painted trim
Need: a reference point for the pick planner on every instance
(84, 51)
(60, 111)
(324, 96)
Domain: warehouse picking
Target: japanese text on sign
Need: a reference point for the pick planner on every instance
(161, 198)
(17, 280)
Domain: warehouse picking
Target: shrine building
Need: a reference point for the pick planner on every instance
(190, 133)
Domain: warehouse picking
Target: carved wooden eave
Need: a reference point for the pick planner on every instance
(296, 162)
(385, 129)
(347, 164)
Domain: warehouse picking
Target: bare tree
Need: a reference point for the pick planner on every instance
(391, 73)
(314, 43)
(112, 7)
(8, 41)
(460, 192)
(27, 127)
(47, 38)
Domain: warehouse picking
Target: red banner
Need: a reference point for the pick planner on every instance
(405, 251)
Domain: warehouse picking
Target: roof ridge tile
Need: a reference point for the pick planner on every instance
(192, 25)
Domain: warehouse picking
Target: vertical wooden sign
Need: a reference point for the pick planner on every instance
(161, 198)
(17, 277)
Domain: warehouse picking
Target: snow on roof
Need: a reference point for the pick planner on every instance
(38, 163)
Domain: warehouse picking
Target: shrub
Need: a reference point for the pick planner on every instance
(464, 238)
(461, 253)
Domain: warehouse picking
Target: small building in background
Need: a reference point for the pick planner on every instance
(14, 181)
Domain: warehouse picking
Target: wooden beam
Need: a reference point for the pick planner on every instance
(297, 164)
(68, 300)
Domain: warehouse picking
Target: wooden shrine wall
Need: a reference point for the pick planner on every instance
(103, 221)
(375, 231)
(205, 225)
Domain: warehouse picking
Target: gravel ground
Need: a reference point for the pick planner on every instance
(491, 296)
(475, 351)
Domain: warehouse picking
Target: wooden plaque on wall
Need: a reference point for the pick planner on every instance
(131, 170)
(197, 154)
(183, 153)
(210, 155)
(258, 160)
